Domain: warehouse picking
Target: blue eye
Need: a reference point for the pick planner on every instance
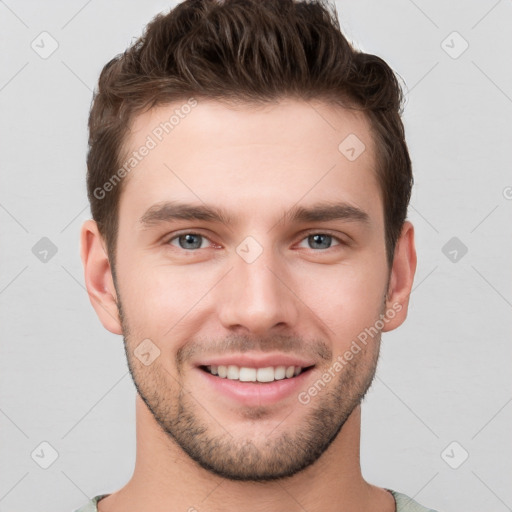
(189, 241)
(192, 241)
(320, 240)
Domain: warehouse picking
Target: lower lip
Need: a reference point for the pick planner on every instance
(255, 394)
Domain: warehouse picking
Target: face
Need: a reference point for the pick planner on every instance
(248, 239)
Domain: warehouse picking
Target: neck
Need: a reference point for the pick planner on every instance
(165, 478)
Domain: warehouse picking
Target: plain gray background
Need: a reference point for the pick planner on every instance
(443, 387)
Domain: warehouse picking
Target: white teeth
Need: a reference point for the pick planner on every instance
(246, 374)
(233, 372)
(279, 372)
(265, 374)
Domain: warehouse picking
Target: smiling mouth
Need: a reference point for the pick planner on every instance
(255, 375)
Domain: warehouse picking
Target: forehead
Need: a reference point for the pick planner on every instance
(250, 157)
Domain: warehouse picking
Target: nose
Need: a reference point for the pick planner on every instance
(257, 296)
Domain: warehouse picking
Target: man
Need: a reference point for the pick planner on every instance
(249, 183)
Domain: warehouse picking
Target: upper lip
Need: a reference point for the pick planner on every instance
(256, 361)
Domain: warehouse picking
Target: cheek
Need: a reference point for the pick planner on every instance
(349, 302)
(157, 299)
(162, 301)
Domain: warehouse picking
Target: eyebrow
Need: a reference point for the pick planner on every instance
(169, 211)
(174, 210)
(326, 211)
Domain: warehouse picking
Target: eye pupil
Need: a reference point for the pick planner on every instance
(323, 240)
(189, 239)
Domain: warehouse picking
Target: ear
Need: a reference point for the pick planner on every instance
(401, 278)
(98, 277)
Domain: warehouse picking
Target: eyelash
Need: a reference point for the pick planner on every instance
(306, 235)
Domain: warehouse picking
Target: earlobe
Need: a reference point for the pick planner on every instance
(98, 277)
(401, 278)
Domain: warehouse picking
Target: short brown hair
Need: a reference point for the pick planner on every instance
(246, 51)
